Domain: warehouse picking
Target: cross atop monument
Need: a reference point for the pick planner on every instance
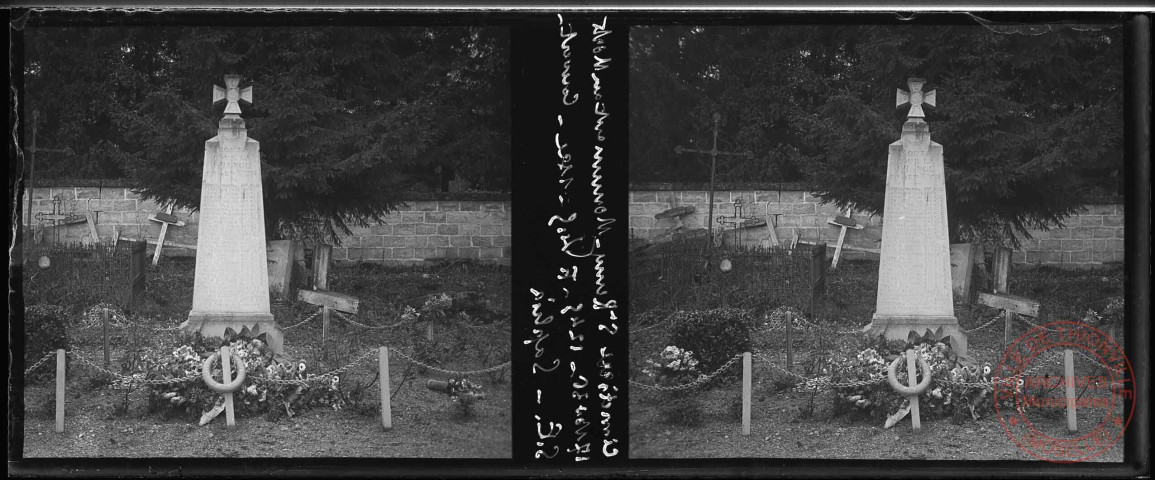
(916, 98)
(233, 95)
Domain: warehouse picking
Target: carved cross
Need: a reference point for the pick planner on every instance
(232, 94)
(916, 98)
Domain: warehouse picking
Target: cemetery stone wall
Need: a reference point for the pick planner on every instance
(1091, 238)
(430, 227)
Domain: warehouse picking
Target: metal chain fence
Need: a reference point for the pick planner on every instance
(450, 372)
(695, 383)
(306, 320)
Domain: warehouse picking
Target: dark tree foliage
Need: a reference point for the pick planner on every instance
(349, 119)
(1031, 122)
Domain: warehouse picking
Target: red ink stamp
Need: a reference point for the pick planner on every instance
(1063, 392)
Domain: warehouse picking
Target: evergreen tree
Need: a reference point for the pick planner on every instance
(348, 118)
(1031, 123)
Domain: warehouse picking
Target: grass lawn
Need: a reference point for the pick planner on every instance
(102, 421)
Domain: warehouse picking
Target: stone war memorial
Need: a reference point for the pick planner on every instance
(914, 273)
(231, 284)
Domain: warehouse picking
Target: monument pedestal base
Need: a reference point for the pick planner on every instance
(213, 324)
(898, 327)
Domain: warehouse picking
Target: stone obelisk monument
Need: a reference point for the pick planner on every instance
(914, 279)
(231, 287)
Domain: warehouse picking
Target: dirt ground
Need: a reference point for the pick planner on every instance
(424, 426)
(778, 430)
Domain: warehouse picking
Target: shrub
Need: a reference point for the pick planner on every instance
(44, 332)
(715, 336)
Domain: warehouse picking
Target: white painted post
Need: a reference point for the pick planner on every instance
(1069, 379)
(326, 314)
(107, 354)
(59, 390)
(911, 359)
(746, 391)
(789, 342)
(1008, 328)
(383, 370)
(226, 377)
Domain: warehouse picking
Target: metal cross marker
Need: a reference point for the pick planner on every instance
(713, 152)
(916, 98)
(57, 216)
(739, 220)
(232, 94)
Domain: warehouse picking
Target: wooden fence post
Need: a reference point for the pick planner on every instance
(789, 342)
(383, 371)
(817, 278)
(1069, 380)
(60, 390)
(746, 393)
(1008, 328)
(107, 356)
(326, 313)
(136, 274)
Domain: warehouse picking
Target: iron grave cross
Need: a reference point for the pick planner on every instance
(916, 98)
(713, 152)
(232, 94)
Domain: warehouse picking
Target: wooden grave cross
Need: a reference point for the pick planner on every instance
(912, 390)
(165, 219)
(1011, 305)
(713, 153)
(771, 239)
(676, 213)
(844, 223)
(322, 297)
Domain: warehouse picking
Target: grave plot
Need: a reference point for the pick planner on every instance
(817, 398)
(736, 365)
(114, 407)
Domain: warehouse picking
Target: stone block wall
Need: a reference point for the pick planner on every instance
(1091, 238)
(434, 229)
(435, 226)
(114, 208)
(798, 212)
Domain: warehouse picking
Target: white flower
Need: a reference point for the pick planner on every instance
(936, 393)
(301, 367)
